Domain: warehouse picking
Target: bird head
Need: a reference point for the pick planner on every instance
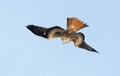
(65, 40)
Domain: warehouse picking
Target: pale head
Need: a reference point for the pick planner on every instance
(65, 40)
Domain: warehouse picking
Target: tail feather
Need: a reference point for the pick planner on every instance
(87, 47)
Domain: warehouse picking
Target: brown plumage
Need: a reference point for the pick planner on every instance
(67, 35)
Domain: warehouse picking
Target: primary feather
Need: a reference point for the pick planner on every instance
(48, 33)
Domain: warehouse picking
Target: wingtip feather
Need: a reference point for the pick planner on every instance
(87, 47)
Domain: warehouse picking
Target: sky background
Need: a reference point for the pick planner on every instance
(24, 54)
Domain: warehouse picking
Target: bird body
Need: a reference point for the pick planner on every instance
(66, 35)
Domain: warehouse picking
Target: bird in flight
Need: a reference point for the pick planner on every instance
(67, 35)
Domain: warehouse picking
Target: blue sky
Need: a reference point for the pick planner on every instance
(24, 54)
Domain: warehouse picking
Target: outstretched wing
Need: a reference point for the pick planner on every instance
(74, 24)
(39, 31)
(87, 47)
(79, 41)
(47, 33)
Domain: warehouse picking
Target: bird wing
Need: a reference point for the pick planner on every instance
(79, 41)
(47, 33)
(74, 24)
(87, 47)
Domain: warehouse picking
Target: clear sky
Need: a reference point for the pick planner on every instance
(24, 54)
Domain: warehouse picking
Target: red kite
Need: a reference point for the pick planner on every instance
(67, 35)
